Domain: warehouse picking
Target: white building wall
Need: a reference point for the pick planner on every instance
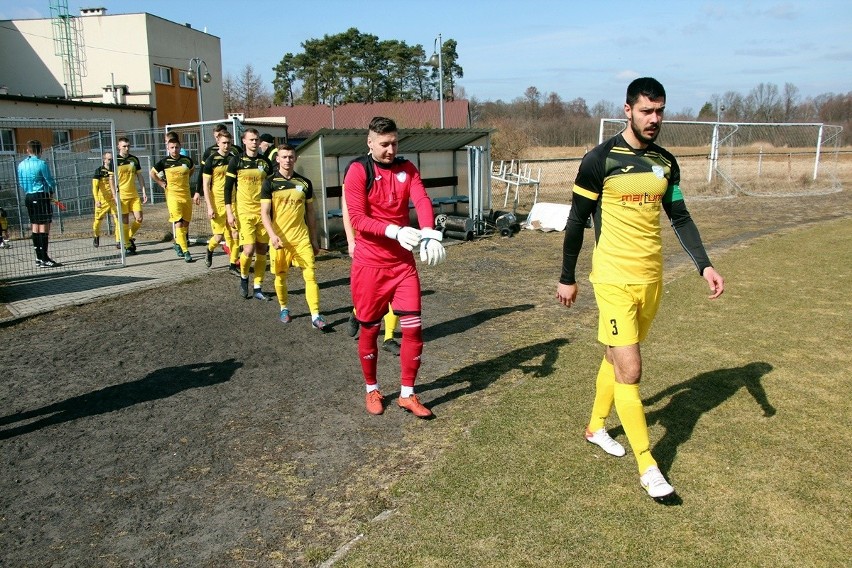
(121, 47)
(28, 66)
(174, 45)
(117, 49)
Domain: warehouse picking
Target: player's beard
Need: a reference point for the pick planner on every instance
(641, 136)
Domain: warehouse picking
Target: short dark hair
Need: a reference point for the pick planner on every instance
(286, 147)
(645, 86)
(224, 134)
(383, 125)
(221, 127)
(250, 131)
(123, 139)
(34, 146)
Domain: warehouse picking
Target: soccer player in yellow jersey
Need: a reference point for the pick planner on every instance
(173, 173)
(391, 319)
(624, 184)
(128, 172)
(245, 176)
(214, 172)
(102, 193)
(287, 210)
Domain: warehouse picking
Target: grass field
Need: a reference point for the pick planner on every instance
(748, 407)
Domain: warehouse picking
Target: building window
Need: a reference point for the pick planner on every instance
(138, 140)
(162, 74)
(61, 141)
(100, 141)
(186, 80)
(7, 141)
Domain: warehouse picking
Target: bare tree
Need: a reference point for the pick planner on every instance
(790, 99)
(764, 103)
(246, 93)
(229, 90)
(606, 109)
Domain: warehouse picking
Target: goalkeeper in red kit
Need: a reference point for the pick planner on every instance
(377, 189)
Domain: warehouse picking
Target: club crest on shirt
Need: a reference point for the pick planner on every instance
(658, 171)
(400, 176)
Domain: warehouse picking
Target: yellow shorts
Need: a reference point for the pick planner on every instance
(219, 222)
(626, 311)
(298, 254)
(131, 204)
(179, 208)
(252, 230)
(219, 225)
(104, 208)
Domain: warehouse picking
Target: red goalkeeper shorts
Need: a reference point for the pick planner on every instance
(374, 288)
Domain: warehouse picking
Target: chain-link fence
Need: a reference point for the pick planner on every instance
(73, 151)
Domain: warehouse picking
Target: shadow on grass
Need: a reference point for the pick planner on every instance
(478, 376)
(158, 384)
(697, 396)
(464, 323)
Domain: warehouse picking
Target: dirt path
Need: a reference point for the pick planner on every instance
(185, 426)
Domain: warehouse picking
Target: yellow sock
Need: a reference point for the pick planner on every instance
(604, 397)
(245, 263)
(180, 238)
(259, 269)
(632, 416)
(212, 244)
(281, 289)
(312, 294)
(391, 321)
(235, 251)
(134, 226)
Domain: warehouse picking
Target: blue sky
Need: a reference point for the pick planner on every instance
(588, 49)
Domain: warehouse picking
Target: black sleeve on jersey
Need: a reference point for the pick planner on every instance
(581, 208)
(590, 177)
(687, 233)
(209, 152)
(266, 189)
(233, 163)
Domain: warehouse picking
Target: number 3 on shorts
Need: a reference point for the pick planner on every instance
(614, 325)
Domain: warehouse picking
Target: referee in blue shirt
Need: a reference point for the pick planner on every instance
(38, 186)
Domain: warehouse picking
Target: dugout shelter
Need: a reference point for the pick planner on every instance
(454, 164)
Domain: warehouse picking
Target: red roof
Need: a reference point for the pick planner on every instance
(304, 120)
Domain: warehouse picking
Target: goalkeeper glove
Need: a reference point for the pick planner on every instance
(408, 237)
(431, 249)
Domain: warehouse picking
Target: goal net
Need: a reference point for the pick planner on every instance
(768, 159)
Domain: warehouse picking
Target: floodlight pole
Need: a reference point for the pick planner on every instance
(194, 73)
(437, 61)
